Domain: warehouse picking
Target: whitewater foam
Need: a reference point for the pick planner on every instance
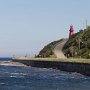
(11, 63)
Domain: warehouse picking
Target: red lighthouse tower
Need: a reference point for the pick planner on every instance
(71, 31)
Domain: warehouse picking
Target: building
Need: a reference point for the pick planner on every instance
(71, 31)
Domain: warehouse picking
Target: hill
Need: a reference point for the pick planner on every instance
(78, 45)
(47, 51)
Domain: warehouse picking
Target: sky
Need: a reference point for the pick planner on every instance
(26, 26)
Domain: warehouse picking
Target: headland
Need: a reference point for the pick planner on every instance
(72, 55)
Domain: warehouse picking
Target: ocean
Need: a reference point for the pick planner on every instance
(20, 77)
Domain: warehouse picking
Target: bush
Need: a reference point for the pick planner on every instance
(84, 50)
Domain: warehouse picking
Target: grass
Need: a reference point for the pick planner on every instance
(57, 59)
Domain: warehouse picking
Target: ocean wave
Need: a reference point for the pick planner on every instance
(2, 83)
(10, 63)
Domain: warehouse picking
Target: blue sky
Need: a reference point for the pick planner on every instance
(26, 26)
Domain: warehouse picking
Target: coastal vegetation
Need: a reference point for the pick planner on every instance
(71, 60)
(47, 51)
(78, 45)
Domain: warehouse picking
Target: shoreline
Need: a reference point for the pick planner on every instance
(81, 66)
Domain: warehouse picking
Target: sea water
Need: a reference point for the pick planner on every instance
(31, 78)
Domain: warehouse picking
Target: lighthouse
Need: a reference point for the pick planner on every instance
(71, 31)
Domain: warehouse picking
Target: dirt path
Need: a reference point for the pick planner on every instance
(58, 50)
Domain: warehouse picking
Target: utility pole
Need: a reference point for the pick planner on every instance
(79, 40)
(79, 45)
(86, 24)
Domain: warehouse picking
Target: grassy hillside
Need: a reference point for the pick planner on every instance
(47, 51)
(78, 45)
